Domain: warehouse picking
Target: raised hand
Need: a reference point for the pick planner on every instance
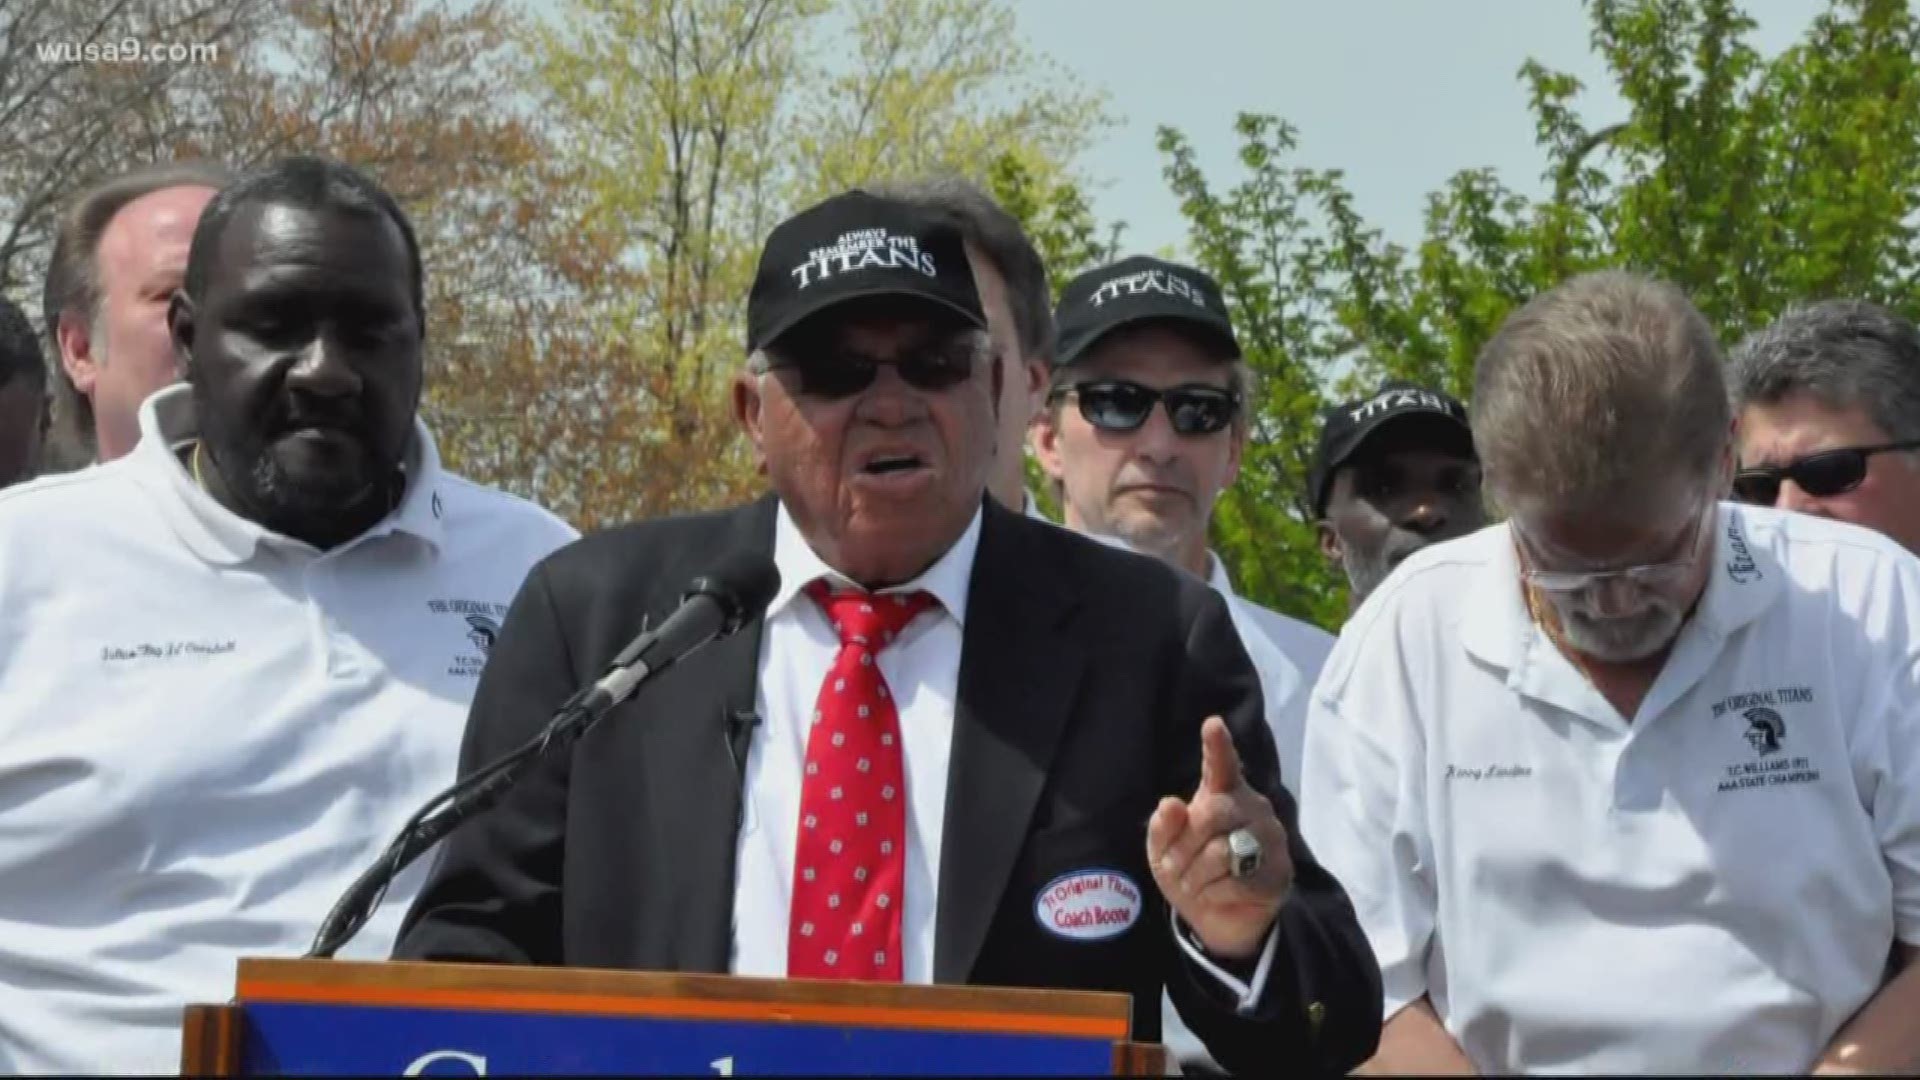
(1189, 851)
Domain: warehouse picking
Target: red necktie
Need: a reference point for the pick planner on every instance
(849, 872)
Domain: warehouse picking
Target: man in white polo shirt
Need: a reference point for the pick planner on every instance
(1632, 782)
(234, 661)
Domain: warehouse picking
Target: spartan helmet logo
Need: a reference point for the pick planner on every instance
(483, 631)
(1765, 729)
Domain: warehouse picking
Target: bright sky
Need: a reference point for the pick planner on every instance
(1399, 93)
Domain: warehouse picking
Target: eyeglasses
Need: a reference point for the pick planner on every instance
(1652, 577)
(1821, 475)
(1119, 405)
(835, 375)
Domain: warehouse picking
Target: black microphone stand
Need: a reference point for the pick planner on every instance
(443, 814)
(715, 607)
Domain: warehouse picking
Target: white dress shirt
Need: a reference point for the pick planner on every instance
(922, 669)
(208, 730)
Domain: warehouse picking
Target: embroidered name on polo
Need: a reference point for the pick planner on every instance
(1490, 772)
(165, 650)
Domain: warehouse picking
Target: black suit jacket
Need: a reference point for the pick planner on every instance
(1085, 674)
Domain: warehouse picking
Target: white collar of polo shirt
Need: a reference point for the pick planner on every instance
(222, 538)
(799, 566)
(1497, 629)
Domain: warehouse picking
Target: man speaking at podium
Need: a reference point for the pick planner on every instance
(962, 746)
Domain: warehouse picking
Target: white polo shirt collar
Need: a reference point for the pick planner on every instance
(220, 537)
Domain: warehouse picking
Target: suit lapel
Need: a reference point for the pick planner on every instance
(1017, 677)
(691, 776)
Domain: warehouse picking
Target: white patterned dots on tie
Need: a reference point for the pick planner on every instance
(851, 847)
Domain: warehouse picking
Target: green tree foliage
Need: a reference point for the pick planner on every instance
(1750, 181)
(684, 131)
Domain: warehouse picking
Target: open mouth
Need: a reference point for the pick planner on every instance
(891, 464)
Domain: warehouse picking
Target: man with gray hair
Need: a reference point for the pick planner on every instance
(1599, 805)
(1012, 280)
(119, 253)
(1828, 400)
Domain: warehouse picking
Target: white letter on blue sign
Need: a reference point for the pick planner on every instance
(472, 1061)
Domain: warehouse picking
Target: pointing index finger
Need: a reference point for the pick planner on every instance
(1219, 758)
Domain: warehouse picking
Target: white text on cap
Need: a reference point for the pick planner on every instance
(1148, 281)
(862, 250)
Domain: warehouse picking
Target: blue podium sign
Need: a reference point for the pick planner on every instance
(336, 1040)
(307, 1018)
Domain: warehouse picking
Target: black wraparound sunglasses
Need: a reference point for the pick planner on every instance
(833, 375)
(1119, 405)
(1821, 475)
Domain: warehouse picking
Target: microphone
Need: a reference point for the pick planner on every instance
(715, 606)
(737, 591)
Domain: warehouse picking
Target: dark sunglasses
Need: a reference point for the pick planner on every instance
(1821, 475)
(1119, 405)
(833, 375)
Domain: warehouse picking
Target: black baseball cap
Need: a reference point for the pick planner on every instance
(1137, 289)
(857, 245)
(1345, 428)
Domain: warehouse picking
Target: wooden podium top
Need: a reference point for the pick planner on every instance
(312, 1017)
(578, 991)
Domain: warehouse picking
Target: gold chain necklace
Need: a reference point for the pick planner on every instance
(197, 478)
(1543, 616)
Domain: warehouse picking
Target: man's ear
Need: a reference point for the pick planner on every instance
(1001, 361)
(180, 328)
(75, 339)
(1329, 542)
(746, 412)
(1044, 436)
(1036, 372)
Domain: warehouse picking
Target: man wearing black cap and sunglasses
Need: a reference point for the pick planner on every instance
(967, 747)
(1144, 427)
(1828, 403)
(1394, 472)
